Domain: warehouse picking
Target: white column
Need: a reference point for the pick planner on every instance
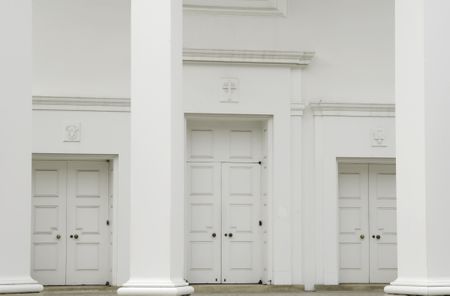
(423, 145)
(157, 151)
(15, 148)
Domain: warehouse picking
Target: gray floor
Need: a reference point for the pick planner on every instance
(109, 291)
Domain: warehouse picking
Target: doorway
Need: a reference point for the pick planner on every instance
(70, 231)
(367, 223)
(225, 224)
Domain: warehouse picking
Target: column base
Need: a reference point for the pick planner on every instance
(418, 288)
(152, 288)
(20, 286)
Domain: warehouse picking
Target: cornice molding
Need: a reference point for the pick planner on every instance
(237, 7)
(352, 109)
(81, 104)
(261, 57)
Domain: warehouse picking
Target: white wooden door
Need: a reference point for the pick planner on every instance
(48, 254)
(69, 233)
(353, 223)
(241, 231)
(367, 223)
(203, 223)
(383, 247)
(87, 215)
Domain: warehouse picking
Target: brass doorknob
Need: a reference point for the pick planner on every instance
(230, 235)
(213, 235)
(378, 236)
(362, 236)
(58, 236)
(75, 236)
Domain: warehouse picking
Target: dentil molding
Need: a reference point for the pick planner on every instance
(238, 7)
(352, 109)
(262, 57)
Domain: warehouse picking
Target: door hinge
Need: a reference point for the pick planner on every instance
(107, 222)
(260, 223)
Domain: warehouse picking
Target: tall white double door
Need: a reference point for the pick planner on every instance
(367, 223)
(223, 223)
(70, 235)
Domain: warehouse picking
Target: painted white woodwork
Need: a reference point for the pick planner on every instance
(157, 142)
(15, 151)
(70, 234)
(223, 195)
(224, 140)
(354, 235)
(423, 141)
(367, 223)
(203, 222)
(87, 212)
(238, 7)
(49, 234)
(383, 223)
(241, 232)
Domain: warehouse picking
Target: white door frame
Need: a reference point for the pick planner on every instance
(113, 160)
(357, 160)
(267, 141)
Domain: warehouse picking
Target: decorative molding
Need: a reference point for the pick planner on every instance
(81, 104)
(262, 57)
(72, 132)
(237, 7)
(229, 90)
(352, 109)
(297, 109)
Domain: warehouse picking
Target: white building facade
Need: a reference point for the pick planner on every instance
(155, 144)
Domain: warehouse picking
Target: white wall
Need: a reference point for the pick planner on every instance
(353, 41)
(81, 48)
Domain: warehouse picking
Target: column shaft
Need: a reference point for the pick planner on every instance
(15, 154)
(423, 142)
(157, 151)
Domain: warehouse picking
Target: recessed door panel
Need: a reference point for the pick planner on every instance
(353, 223)
(203, 223)
(241, 247)
(87, 213)
(49, 222)
(383, 208)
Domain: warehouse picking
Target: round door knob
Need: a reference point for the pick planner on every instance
(378, 236)
(213, 235)
(230, 235)
(58, 236)
(75, 236)
(362, 236)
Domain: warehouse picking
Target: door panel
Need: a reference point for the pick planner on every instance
(203, 223)
(354, 223)
(382, 192)
(87, 213)
(241, 239)
(49, 222)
